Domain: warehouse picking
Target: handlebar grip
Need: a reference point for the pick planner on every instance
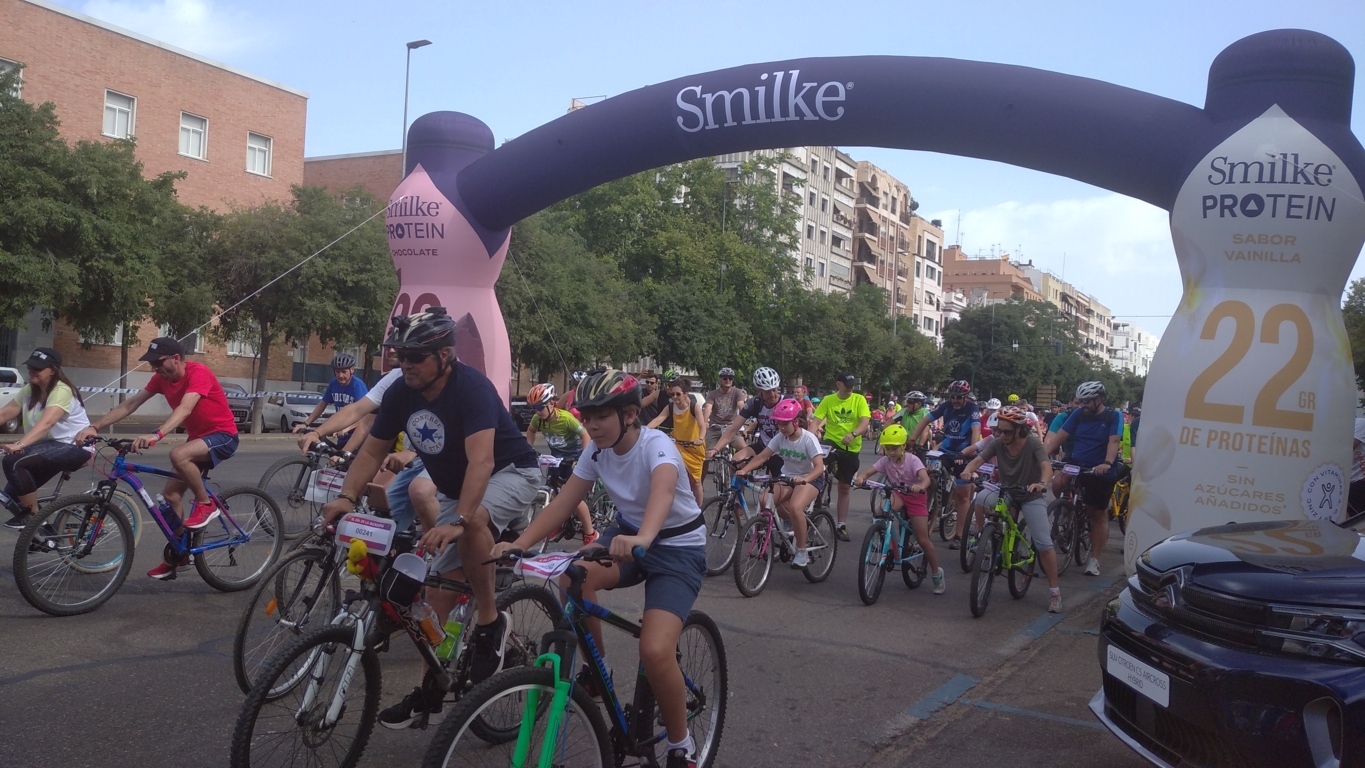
(637, 552)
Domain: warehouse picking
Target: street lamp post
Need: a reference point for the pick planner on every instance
(407, 74)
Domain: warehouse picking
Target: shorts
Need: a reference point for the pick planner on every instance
(1095, 490)
(510, 492)
(916, 504)
(672, 575)
(714, 432)
(400, 505)
(222, 446)
(1035, 517)
(844, 464)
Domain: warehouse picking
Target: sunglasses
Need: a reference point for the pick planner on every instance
(1090, 401)
(727, 378)
(413, 357)
(160, 361)
(544, 408)
(958, 397)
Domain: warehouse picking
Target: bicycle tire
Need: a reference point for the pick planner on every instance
(822, 546)
(966, 553)
(126, 504)
(754, 552)
(871, 570)
(1021, 577)
(290, 493)
(323, 646)
(39, 556)
(723, 521)
(947, 520)
(534, 611)
(507, 690)
(259, 518)
(1080, 550)
(695, 668)
(300, 592)
(1063, 515)
(986, 547)
(913, 573)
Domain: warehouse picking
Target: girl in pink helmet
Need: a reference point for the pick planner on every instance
(801, 459)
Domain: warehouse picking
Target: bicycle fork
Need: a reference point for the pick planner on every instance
(316, 673)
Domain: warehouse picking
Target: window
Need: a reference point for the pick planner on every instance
(115, 341)
(826, 171)
(241, 349)
(824, 204)
(193, 342)
(837, 241)
(820, 269)
(931, 251)
(893, 205)
(258, 154)
(824, 235)
(810, 231)
(839, 270)
(194, 135)
(917, 269)
(811, 198)
(928, 323)
(810, 262)
(13, 66)
(814, 164)
(118, 115)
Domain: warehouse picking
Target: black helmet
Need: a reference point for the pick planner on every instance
(342, 360)
(607, 388)
(430, 330)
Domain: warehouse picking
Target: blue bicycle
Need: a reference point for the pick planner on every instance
(889, 542)
(75, 553)
(725, 514)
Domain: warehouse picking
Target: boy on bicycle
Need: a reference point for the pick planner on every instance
(566, 438)
(804, 462)
(645, 476)
(903, 468)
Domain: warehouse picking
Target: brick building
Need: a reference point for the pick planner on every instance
(376, 172)
(238, 137)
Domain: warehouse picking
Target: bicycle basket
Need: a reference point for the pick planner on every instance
(401, 583)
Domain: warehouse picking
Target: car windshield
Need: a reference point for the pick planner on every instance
(302, 398)
(9, 377)
(234, 390)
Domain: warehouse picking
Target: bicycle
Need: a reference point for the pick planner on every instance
(725, 515)
(555, 721)
(124, 501)
(600, 506)
(308, 693)
(942, 509)
(970, 534)
(719, 468)
(888, 543)
(302, 484)
(1070, 524)
(60, 543)
(1002, 547)
(1118, 500)
(761, 539)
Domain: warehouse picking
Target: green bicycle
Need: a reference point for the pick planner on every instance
(1003, 547)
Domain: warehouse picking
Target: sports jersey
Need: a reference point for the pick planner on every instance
(798, 455)
(1090, 435)
(755, 408)
(627, 479)
(561, 435)
(957, 424)
(342, 396)
(211, 414)
(61, 396)
(841, 416)
(911, 419)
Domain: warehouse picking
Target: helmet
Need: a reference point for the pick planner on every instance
(915, 395)
(726, 371)
(993, 403)
(430, 330)
(343, 360)
(815, 401)
(579, 376)
(1014, 414)
(766, 378)
(607, 388)
(787, 410)
(1135, 410)
(993, 420)
(671, 375)
(893, 435)
(1090, 389)
(540, 394)
(959, 387)
(1012, 399)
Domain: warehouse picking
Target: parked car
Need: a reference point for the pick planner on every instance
(11, 381)
(284, 412)
(239, 402)
(1240, 645)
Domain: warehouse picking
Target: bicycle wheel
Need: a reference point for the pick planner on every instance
(1021, 576)
(52, 547)
(129, 507)
(822, 545)
(913, 573)
(235, 556)
(602, 508)
(534, 611)
(1063, 517)
(947, 518)
(287, 483)
(987, 548)
(291, 729)
(871, 566)
(966, 555)
(701, 657)
(1080, 548)
(302, 591)
(723, 520)
(754, 554)
(582, 739)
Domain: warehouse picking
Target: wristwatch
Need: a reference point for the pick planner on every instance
(459, 520)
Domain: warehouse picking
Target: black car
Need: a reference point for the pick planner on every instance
(1240, 645)
(239, 402)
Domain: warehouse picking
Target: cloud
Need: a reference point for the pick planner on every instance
(197, 26)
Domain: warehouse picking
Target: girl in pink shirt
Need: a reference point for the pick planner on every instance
(904, 469)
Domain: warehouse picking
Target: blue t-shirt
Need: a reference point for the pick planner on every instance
(957, 424)
(437, 429)
(1058, 422)
(1090, 435)
(343, 396)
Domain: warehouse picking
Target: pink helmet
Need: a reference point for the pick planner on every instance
(787, 410)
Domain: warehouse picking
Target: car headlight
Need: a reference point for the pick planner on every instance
(299, 414)
(1332, 636)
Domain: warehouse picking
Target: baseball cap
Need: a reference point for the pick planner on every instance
(162, 346)
(44, 357)
(847, 378)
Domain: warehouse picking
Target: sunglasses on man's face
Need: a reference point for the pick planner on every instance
(1090, 401)
(413, 357)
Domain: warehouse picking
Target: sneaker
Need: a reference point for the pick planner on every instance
(801, 560)
(1054, 603)
(843, 532)
(589, 538)
(489, 643)
(677, 758)
(408, 712)
(1092, 568)
(938, 581)
(18, 521)
(201, 515)
(166, 571)
(955, 544)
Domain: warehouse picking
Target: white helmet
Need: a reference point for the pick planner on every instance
(993, 404)
(766, 378)
(993, 420)
(1090, 389)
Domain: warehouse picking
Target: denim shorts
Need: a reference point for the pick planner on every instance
(222, 446)
(672, 575)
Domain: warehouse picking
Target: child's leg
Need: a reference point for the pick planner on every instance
(659, 655)
(584, 519)
(921, 525)
(782, 496)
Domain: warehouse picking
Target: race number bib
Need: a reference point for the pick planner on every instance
(376, 532)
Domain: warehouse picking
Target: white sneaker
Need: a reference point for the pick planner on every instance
(938, 580)
(1054, 603)
(1092, 568)
(801, 560)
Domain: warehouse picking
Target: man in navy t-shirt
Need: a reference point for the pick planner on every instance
(342, 390)
(961, 428)
(1094, 432)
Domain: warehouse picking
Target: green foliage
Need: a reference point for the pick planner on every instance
(1353, 314)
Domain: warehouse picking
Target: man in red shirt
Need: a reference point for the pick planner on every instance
(200, 405)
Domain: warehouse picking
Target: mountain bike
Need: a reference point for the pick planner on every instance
(300, 485)
(762, 539)
(1118, 500)
(942, 509)
(315, 701)
(1070, 523)
(540, 716)
(725, 515)
(75, 554)
(600, 506)
(970, 533)
(1003, 547)
(888, 543)
(120, 498)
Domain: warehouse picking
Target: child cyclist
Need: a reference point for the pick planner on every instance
(644, 475)
(804, 461)
(904, 468)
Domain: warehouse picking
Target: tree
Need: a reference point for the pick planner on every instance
(982, 342)
(1353, 314)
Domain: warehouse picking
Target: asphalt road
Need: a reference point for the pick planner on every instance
(816, 678)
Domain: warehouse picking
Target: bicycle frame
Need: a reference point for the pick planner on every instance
(902, 532)
(787, 541)
(1011, 535)
(128, 472)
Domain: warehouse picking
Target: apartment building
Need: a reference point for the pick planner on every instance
(1131, 348)
(1094, 321)
(883, 249)
(928, 310)
(985, 280)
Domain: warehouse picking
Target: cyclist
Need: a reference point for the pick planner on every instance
(841, 419)
(53, 414)
(687, 432)
(486, 474)
(802, 396)
(1095, 432)
(211, 432)
(904, 468)
(566, 438)
(914, 412)
(721, 405)
(759, 408)
(645, 476)
(961, 428)
(803, 461)
(988, 416)
(1021, 462)
(1136, 413)
(341, 391)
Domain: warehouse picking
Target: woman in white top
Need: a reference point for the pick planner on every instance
(53, 414)
(804, 461)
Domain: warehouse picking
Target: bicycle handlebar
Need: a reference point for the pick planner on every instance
(599, 555)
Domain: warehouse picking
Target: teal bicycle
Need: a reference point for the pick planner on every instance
(890, 542)
(541, 716)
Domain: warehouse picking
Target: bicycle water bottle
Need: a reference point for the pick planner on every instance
(425, 616)
(167, 512)
(450, 648)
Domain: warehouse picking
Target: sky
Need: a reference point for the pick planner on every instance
(517, 65)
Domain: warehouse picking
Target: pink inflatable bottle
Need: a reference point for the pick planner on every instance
(444, 258)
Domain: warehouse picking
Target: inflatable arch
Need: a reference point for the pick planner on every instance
(1251, 394)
